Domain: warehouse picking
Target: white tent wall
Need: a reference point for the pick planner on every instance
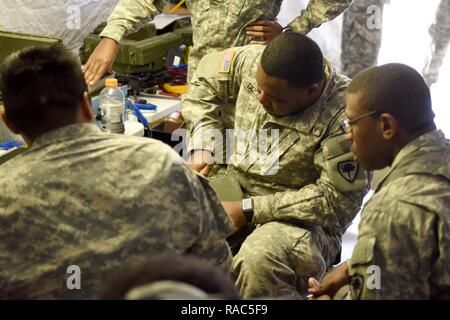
(406, 40)
(70, 20)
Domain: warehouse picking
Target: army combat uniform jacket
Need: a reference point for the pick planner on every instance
(403, 247)
(299, 182)
(80, 197)
(220, 24)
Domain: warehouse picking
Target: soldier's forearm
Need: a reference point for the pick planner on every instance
(318, 12)
(127, 14)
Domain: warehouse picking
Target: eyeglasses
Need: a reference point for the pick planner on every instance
(346, 124)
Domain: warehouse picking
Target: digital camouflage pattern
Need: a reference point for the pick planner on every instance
(100, 201)
(361, 37)
(220, 24)
(302, 203)
(405, 227)
(440, 33)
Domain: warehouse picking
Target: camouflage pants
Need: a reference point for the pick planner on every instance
(277, 259)
(440, 33)
(361, 41)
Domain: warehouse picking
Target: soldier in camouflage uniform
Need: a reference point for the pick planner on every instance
(304, 185)
(403, 247)
(216, 24)
(440, 33)
(361, 36)
(82, 197)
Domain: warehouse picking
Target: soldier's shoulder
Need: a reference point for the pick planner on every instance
(143, 148)
(144, 142)
(336, 88)
(228, 61)
(422, 193)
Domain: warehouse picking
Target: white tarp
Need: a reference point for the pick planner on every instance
(70, 20)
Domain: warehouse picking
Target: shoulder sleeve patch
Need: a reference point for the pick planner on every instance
(344, 172)
(226, 61)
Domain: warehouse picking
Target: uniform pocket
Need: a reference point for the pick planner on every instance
(270, 157)
(345, 173)
(236, 6)
(364, 250)
(362, 259)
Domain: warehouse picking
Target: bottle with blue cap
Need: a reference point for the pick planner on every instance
(112, 106)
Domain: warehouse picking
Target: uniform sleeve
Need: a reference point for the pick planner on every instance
(331, 202)
(215, 226)
(211, 98)
(180, 213)
(401, 253)
(128, 14)
(318, 12)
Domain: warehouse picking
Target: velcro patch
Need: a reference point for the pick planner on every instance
(356, 286)
(348, 170)
(225, 63)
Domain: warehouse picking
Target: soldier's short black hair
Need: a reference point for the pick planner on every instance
(396, 89)
(183, 269)
(41, 87)
(294, 57)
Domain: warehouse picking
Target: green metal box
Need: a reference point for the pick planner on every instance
(141, 51)
(11, 42)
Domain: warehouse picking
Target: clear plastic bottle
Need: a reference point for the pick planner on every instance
(112, 106)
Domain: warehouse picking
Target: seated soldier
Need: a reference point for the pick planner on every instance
(300, 185)
(80, 200)
(403, 247)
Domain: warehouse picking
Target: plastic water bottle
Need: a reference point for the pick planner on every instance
(112, 105)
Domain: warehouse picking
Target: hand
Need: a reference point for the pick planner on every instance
(331, 283)
(234, 210)
(100, 61)
(314, 284)
(264, 29)
(322, 297)
(201, 161)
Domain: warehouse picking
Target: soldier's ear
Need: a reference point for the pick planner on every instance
(313, 89)
(388, 126)
(8, 122)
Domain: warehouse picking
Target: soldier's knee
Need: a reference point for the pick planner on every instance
(254, 258)
(308, 262)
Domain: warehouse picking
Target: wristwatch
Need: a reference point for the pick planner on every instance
(287, 29)
(247, 208)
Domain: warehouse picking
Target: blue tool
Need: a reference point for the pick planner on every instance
(136, 112)
(10, 144)
(148, 106)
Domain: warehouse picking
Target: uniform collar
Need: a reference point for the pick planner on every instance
(416, 144)
(69, 132)
(428, 140)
